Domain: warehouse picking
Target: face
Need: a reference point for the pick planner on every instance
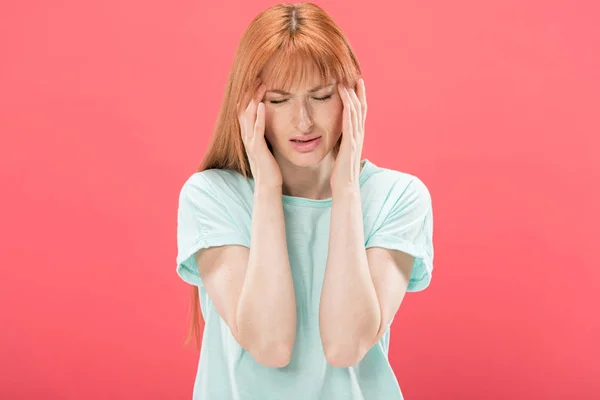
(304, 124)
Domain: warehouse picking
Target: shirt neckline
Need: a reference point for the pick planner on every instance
(365, 173)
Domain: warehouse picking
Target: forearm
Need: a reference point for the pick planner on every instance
(349, 314)
(266, 311)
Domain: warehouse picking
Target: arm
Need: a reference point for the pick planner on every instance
(362, 289)
(252, 289)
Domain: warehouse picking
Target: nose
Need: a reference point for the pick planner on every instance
(302, 116)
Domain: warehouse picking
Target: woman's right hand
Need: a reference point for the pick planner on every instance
(265, 170)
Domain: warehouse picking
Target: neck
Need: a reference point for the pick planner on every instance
(310, 182)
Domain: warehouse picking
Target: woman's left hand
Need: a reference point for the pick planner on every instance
(346, 169)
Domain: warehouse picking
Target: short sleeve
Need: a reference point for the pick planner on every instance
(203, 221)
(408, 227)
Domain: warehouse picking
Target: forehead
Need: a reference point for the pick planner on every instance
(294, 75)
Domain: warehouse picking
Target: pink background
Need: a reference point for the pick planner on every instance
(107, 107)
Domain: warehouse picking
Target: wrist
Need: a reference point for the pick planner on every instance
(348, 189)
(267, 189)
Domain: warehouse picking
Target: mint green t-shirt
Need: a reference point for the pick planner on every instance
(215, 209)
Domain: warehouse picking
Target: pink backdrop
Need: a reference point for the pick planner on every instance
(107, 107)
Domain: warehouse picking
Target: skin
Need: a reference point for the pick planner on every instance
(252, 288)
(362, 288)
(299, 113)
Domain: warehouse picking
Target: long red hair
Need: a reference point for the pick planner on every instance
(292, 38)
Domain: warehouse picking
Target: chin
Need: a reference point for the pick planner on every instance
(311, 159)
(310, 162)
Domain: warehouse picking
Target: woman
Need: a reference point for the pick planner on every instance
(299, 253)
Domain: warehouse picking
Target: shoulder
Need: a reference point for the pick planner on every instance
(219, 184)
(394, 185)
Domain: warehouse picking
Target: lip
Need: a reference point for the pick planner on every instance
(306, 147)
(305, 138)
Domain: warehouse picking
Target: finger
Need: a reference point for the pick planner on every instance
(248, 95)
(346, 114)
(358, 108)
(257, 93)
(243, 105)
(245, 115)
(346, 98)
(252, 113)
(259, 125)
(348, 129)
(257, 96)
(362, 95)
(353, 114)
(242, 121)
(362, 99)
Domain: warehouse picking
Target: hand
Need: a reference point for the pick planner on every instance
(346, 169)
(263, 165)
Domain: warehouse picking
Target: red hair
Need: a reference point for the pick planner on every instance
(292, 39)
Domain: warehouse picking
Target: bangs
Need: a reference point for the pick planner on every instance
(298, 67)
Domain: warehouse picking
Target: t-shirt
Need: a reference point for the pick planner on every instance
(215, 209)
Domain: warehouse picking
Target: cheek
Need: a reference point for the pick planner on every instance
(273, 124)
(336, 108)
(268, 118)
(278, 118)
(332, 116)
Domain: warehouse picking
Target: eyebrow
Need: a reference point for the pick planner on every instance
(279, 91)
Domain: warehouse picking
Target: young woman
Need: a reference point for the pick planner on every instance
(298, 251)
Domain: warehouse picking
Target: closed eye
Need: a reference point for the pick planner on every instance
(316, 98)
